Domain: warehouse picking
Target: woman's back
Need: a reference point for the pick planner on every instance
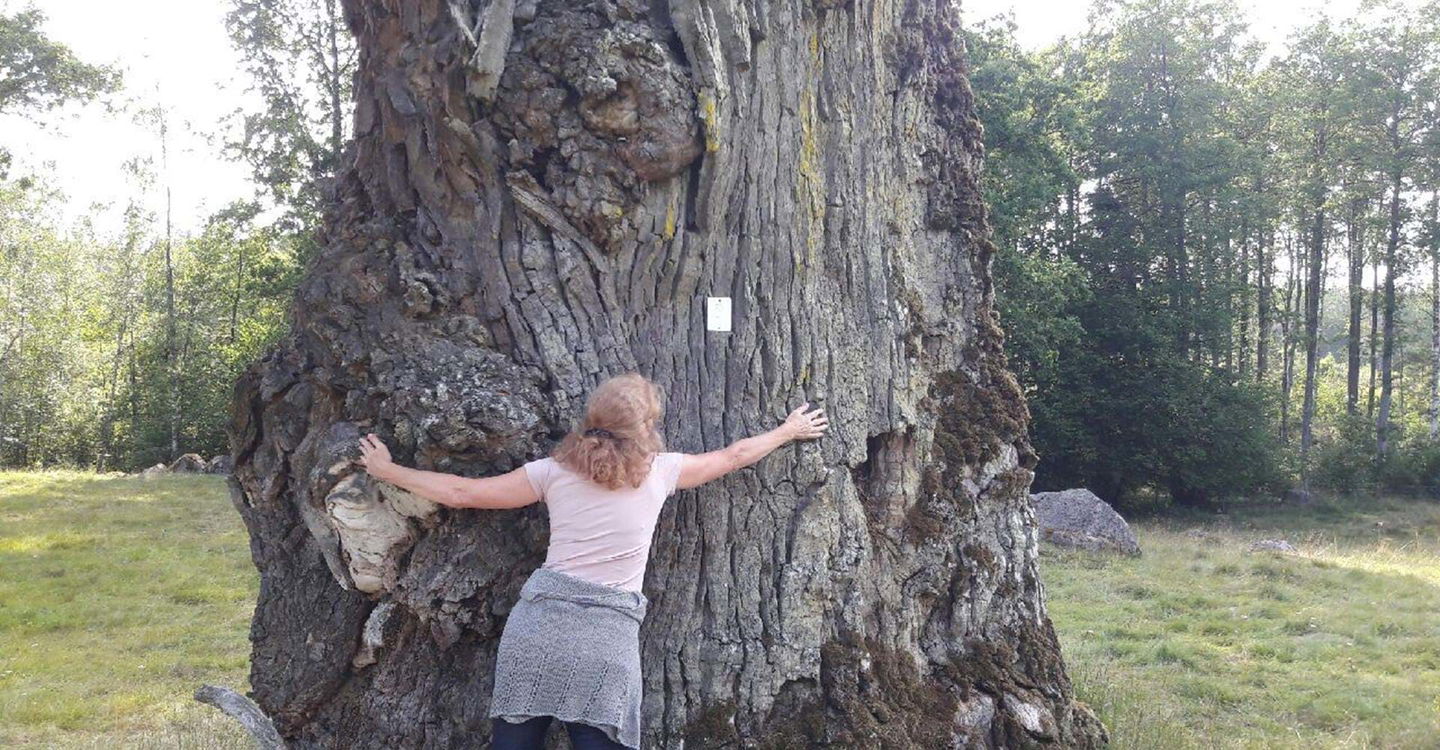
(599, 534)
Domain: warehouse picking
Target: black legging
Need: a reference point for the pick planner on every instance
(530, 735)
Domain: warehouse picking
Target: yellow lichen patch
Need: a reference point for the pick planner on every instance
(811, 184)
(670, 212)
(710, 115)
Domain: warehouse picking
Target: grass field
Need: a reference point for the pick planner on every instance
(1200, 644)
(120, 596)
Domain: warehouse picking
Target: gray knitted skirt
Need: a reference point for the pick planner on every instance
(571, 649)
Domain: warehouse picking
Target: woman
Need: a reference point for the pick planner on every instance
(571, 647)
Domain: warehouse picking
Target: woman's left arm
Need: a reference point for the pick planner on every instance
(509, 490)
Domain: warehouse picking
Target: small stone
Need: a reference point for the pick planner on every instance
(1272, 545)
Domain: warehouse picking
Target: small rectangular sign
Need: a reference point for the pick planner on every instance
(717, 313)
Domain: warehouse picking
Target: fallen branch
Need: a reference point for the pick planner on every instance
(243, 710)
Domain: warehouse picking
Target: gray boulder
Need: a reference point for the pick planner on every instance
(155, 471)
(190, 463)
(1077, 518)
(220, 464)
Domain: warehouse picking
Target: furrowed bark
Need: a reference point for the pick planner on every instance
(507, 234)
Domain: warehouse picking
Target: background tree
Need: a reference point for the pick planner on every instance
(1135, 400)
(1212, 183)
(1311, 114)
(1393, 81)
(38, 73)
(300, 59)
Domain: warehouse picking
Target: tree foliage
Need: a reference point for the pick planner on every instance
(1170, 203)
(38, 73)
(300, 60)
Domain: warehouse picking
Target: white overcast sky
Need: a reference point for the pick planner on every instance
(180, 47)
(1040, 22)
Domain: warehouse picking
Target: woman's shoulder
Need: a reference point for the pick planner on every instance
(667, 466)
(540, 472)
(544, 463)
(667, 459)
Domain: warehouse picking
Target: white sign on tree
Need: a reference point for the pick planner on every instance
(717, 314)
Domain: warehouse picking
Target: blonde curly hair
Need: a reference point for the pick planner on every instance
(616, 440)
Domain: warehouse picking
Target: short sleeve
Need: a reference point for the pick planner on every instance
(538, 474)
(670, 470)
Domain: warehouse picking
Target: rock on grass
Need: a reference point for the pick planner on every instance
(1077, 518)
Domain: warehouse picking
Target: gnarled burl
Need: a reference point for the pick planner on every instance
(543, 194)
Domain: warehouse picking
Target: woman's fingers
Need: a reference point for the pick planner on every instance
(813, 423)
(810, 423)
(367, 448)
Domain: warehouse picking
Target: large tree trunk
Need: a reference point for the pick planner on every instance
(542, 195)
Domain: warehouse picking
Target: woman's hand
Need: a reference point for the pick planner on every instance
(801, 425)
(374, 456)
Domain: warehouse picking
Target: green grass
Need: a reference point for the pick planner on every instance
(1201, 644)
(119, 597)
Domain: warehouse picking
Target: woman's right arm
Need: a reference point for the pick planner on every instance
(698, 468)
(509, 490)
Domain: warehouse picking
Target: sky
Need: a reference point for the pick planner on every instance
(187, 63)
(170, 51)
(1040, 22)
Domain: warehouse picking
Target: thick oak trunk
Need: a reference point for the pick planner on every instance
(540, 195)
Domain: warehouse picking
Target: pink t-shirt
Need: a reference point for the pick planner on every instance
(599, 534)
